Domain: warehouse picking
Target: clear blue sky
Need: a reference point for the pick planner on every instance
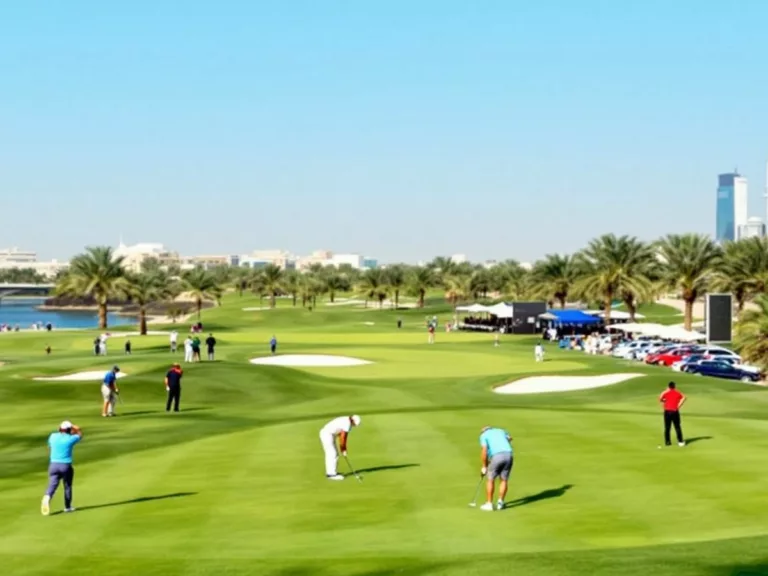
(399, 129)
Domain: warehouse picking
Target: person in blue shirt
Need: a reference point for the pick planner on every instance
(497, 458)
(60, 446)
(108, 391)
(273, 344)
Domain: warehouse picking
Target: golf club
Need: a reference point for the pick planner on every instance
(477, 491)
(356, 475)
(119, 397)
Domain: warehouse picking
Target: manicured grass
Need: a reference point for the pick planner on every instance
(234, 484)
(658, 313)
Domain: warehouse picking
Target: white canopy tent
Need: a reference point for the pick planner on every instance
(500, 310)
(676, 333)
(474, 308)
(628, 327)
(616, 315)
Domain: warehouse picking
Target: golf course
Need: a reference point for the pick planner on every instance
(234, 484)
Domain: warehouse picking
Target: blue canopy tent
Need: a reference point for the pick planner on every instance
(569, 318)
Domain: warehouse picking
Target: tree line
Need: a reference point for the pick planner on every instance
(609, 269)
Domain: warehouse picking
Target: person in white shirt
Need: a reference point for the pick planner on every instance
(174, 340)
(336, 428)
(539, 352)
(103, 346)
(188, 349)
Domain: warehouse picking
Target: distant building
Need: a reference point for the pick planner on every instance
(134, 256)
(16, 255)
(13, 258)
(370, 263)
(459, 258)
(261, 258)
(754, 228)
(731, 212)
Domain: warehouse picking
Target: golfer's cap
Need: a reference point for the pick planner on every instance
(356, 420)
(116, 368)
(66, 425)
(486, 428)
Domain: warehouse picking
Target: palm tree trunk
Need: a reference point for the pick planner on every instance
(332, 295)
(272, 299)
(199, 304)
(607, 307)
(422, 294)
(143, 321)
(102, 316)
(688, 318)
(561, 300)
(397, 299)
(294, 299)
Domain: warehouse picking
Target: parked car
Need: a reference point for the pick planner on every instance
(719, 369)
(682, 365)
(654, 347)
(733, 360)
(628, 350)
(674, 355)
(719, 352)
(653, 357)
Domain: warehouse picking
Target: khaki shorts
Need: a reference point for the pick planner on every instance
(107, 393)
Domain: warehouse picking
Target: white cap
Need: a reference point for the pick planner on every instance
(356, 420)
(66, 425)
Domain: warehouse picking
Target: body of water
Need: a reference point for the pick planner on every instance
(22, 312)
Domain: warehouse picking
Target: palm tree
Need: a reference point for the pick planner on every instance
(373, 286)
(751, 337)
(458, 288)
(273, 282)
(481, 281)
(291, 284)
(614, 267)
(144, 289)
(743, 270)
(201, 285)
(518, 286)
(396, 280)
(419, 281)
(555, 277)
(335, 282)
(240, 279)
(96, 274)
(687, 265)
(443, 267)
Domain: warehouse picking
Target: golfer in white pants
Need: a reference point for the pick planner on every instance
(338, 427)
(539, 352)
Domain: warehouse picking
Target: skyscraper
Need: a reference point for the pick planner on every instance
(731, 206)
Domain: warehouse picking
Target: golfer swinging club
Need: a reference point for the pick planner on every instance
(340, 427)
(60, 446)
(108, 391)
(497, 458)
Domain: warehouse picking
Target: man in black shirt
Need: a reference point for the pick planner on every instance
(210, 342)
(173, 387)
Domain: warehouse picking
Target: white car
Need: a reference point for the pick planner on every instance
(630, 351)
(649, 349)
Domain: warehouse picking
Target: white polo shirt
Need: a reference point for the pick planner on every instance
(337, 426)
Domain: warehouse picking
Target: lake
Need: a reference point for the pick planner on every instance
(22, 311)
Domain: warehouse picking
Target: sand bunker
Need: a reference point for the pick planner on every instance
(345, 302)
(257, 309)
(127, 334)
(309, 360)
(541, 384)
(90, 376)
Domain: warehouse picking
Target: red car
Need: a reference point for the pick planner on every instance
(654, 358)
(674, 355)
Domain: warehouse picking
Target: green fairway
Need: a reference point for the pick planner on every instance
(235, 484)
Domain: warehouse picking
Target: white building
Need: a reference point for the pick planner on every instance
(13, 258)
(754, 228)
(740, 200)
(459, 258)
(134, 256)
(16, 255)
(260, 258)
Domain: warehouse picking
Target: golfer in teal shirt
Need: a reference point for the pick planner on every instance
(60, 445)
(497, 458)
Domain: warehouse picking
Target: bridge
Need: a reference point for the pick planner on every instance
(11, 289)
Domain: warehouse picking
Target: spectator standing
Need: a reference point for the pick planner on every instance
(195, 348)
(188, 349)
(672, 400)
(273, 345)
(173, 387)
(210, 344)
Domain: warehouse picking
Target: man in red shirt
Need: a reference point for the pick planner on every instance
(673, 400)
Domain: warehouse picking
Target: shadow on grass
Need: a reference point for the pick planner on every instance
(543, 495)
(697, 439)
(134, 501)
(384, 468)
(162, 411)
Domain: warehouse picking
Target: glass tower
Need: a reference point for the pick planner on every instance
(731, 214)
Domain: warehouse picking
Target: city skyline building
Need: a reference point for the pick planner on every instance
(731, 209)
